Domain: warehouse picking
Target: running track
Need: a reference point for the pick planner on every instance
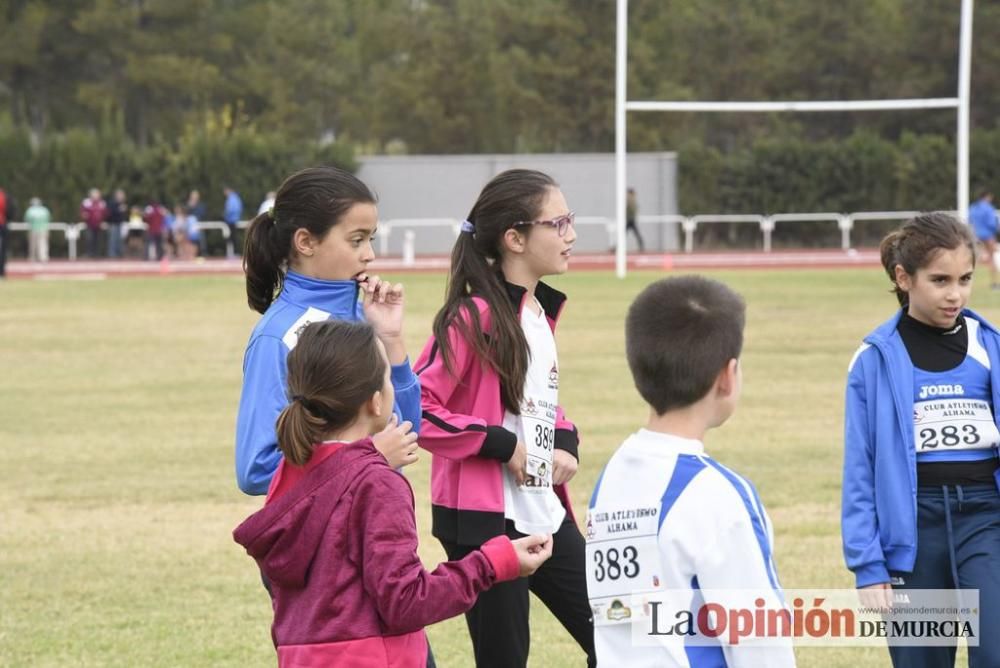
(100, 269)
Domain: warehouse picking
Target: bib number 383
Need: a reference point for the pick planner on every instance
(623, 562)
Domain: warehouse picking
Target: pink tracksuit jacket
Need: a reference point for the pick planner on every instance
(461, 418)
(338, 542)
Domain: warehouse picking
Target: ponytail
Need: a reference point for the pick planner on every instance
(315, 199)
(511, 197)
(263, 260)
(335, 367)
(298, 431)
(916, 242)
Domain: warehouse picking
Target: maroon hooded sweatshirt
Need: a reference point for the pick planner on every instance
(340, 549)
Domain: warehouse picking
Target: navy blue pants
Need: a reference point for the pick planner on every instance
(958, 547)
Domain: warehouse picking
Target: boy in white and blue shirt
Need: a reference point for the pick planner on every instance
(666, 521)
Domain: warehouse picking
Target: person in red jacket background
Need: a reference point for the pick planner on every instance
(337, 537)
(93, 212)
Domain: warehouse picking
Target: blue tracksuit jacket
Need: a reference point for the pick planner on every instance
(879, 498)
(302, 300)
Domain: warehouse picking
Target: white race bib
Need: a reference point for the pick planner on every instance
(623, 563)
(538, 419)
(943, 425)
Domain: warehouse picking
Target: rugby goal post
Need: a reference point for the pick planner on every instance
(622, 105)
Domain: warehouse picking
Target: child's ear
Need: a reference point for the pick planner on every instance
(375, 404)
(513, 241)
(902, 278)
(727, 379)
(304, 242)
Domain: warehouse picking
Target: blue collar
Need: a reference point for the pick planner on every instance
(307, 291)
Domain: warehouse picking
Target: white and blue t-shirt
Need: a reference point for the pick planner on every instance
(666, 517)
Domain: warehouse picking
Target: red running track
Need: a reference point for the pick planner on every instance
(799, 259)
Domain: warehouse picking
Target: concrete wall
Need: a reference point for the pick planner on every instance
(446, 186)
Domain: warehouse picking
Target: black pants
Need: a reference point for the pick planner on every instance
(498, 622)
(93, 242)
(630, 226)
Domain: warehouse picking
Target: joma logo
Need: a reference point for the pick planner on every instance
(940, 390)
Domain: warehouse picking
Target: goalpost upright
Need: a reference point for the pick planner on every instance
(622, 105)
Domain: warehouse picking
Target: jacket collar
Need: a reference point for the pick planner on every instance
(334, 296)
(552, 300)
(887, 329)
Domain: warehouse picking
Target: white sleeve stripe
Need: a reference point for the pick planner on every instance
(862, 348)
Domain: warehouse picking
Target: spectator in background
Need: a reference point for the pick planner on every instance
(117, 216)
(154, 215)
(135, 236)
(93, 211)
(195, 206)
(196, 211)
(38, 218)
(232, 214)
(233, 211)
(267, 204)
(3, 233)
(631, 213)
(186, 233)
(983, 218)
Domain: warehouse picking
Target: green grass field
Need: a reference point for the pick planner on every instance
(118, 498)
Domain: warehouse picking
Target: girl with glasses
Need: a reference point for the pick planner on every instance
(502, 448)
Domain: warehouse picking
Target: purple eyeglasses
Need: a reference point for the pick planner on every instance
(561, 223)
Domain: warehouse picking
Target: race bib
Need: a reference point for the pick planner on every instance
(942, 425)
(538, 419)
(623, 563)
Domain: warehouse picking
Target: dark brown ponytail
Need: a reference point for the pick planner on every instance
(514, 196)
(914, 244)
(315, 198)
(333, 370)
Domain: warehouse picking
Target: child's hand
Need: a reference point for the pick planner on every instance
(876, 596)
(383, 306)
(563, 467)
(532, 551)
(397, 443)
(518, 462)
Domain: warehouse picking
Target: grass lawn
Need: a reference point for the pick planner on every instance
(117, 407)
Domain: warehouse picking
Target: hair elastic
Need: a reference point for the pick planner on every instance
(468, 227)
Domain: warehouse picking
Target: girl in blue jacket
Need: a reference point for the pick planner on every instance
(921, 506)
(305, 261)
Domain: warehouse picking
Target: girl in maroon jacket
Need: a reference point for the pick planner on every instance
(502, 448)
(337, 537)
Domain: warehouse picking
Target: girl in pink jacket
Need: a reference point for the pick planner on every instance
(337, 536)
(502, 448)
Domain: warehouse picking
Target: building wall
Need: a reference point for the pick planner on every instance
(446, 186)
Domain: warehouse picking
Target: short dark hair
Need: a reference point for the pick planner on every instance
(680, 333)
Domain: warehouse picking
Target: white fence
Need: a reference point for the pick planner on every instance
(688, 224)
